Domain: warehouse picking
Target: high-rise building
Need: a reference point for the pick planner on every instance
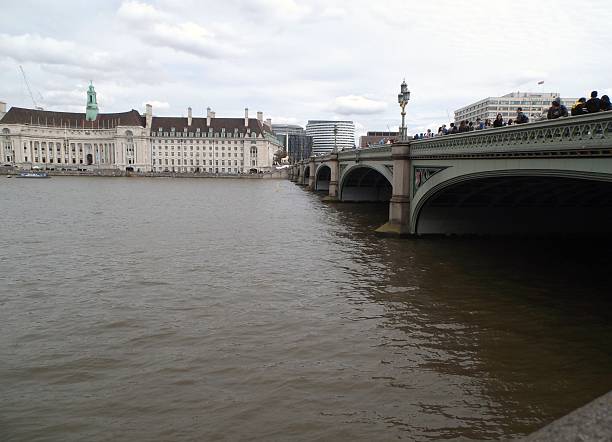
(327, 134)
(282, 131)
(296, 143)
(534, 106)
(299, 147)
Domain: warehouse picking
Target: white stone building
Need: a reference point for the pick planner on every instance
(31, 138)
(534, 106)
(61, 140)
(211, 144)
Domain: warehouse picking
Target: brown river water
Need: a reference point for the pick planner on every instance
(226, 309)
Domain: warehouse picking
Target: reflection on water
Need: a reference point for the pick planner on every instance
(239, 309)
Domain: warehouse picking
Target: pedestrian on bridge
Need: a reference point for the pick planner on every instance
(594, 103)
(579, 108)
(499, 121)
(605, 103)
(521, 118)
(557, 110)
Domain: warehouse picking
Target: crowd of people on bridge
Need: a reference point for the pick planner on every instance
(556, 110)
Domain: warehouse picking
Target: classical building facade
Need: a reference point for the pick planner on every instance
(534, 105)
(32, 138)
(327, 134)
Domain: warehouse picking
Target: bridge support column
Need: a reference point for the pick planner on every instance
(399, 206)
(300, 180)
(312, 183)
(333, 178)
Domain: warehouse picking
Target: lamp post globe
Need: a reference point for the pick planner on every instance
(402, 98)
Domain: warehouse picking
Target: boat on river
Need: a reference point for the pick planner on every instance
(33, 174)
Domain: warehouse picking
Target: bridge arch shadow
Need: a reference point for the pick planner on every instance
(322, 178)
(364, 183)
(538, 204)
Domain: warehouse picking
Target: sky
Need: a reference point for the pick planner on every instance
(299, 60)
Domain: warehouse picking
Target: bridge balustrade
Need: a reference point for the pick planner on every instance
(592, 131)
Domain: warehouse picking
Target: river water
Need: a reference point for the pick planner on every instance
(225, 309)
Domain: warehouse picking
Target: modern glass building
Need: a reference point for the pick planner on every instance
(327, 134)
(299, 147)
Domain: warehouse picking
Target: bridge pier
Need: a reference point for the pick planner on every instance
(333, 179)
(399, 205)
(312, 177)
(300, 180)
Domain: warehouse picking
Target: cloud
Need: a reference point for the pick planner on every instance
(298, 60)
(138, 12)
(157, 104)
(28, 47)
(355, 104)
(285, 120)
(333, 12)
(282, 9)
(157, 28)
(76, 60)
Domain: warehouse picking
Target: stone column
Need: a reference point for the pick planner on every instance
(312, 178)
(333, 179)
(301, 178)
(399, 206)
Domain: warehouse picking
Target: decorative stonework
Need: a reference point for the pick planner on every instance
(422, 174)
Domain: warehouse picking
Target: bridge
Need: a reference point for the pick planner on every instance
(546, 177)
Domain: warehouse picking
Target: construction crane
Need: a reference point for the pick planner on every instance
(25, 79)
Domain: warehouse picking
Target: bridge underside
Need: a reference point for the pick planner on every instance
(323, 178)
(365, 184)
(519, 205)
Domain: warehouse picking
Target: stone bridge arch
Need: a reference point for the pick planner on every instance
(514, 201)
(366, 182)
(323, 177)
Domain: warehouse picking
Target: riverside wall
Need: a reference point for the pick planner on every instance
(279, 174)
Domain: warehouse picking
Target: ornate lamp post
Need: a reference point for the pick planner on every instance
(402, 98)
(335, 149)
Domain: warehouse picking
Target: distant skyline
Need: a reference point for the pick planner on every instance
(301, 60)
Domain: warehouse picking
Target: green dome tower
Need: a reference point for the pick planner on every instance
(91, 111)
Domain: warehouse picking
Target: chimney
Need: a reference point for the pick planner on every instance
(208, 117)
(246, 117)
(148, 115)
(269, 122)
(260, 117)
(189, 119)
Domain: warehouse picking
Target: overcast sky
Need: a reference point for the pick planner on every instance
(298, 60)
